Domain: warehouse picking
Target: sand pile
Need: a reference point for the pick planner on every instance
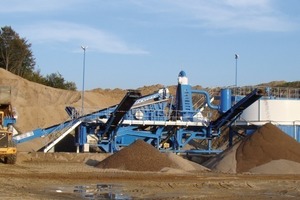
(268, 143)
(267, 150)
(141, 156)
(40, 106)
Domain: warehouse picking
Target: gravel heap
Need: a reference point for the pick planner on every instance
(266, 144)
(139, 156)
(267, 151)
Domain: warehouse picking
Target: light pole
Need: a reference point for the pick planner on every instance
(83, 74)
(236, 58)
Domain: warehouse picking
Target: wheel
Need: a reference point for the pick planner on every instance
(11, 159)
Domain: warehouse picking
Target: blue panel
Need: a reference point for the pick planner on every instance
(298, 133)
(293, 131)
(9, 120)
(184, 103)
(83, 135)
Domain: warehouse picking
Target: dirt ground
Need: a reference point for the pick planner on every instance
(73, 176)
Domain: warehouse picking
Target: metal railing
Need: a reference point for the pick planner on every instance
(270, 92)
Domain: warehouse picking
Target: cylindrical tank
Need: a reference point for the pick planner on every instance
(277, 110)
(225, 100)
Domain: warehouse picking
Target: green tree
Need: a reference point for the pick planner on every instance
(37, 77)
(70, 86)
(15, 53)
(56, 80)
(17, 57)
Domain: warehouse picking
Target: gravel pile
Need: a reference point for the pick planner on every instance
(268, 143)
(139, 156)
(267, 150)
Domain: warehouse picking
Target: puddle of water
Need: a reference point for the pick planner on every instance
(96, 191)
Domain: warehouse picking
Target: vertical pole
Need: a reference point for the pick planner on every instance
(236, 58)
(83, 76)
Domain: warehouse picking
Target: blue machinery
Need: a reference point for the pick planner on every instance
(166, 122)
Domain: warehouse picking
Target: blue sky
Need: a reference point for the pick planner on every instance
(135, 43)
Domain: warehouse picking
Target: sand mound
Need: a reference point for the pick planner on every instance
(266, 144)
(278, 167)
(139, 156)
(40, 106)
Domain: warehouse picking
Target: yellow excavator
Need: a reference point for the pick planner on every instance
(8, 149)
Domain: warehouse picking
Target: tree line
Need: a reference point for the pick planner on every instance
(16, 57)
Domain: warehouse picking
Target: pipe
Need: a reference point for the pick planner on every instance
(216, 107)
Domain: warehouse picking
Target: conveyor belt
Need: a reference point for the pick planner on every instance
(236, 109)
(121, 110)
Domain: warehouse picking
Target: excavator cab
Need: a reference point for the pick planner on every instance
(8, 150)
